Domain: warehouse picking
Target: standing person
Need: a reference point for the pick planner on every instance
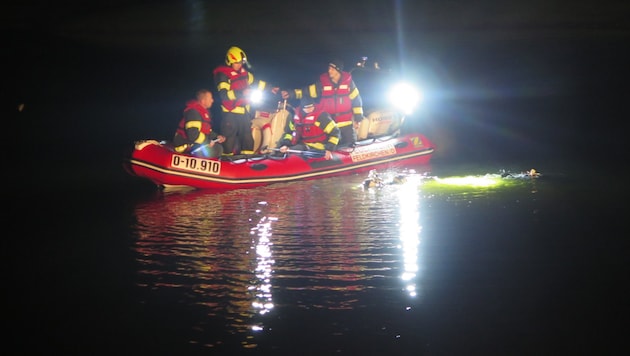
(339, 96)
(310, 128)
(194, 133)
(234, 83)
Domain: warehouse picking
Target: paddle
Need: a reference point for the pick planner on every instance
(309, 154)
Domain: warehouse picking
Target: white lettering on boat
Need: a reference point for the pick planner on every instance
(195, 164)
(366, 152)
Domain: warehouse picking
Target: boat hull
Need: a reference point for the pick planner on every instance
(164, 167)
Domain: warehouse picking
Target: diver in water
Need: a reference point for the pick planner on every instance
(532, 173)
(376, 180)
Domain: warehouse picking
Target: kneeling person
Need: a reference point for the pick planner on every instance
(310, 128)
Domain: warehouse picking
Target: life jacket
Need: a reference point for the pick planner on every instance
(336, 97)
(305, 128)
(238, 81)
(205, 126)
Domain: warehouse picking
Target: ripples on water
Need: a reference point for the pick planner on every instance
(252, 258)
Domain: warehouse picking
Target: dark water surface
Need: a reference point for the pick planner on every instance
(100, 263)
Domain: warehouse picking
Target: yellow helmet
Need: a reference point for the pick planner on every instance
(235, 55)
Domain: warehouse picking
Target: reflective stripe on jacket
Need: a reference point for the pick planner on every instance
(316, 129)
(231, 84)
(336, 97)
(203, 126)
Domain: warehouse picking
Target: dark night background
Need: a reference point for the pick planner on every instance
(519, 82)
(90, 72)
(99, 75)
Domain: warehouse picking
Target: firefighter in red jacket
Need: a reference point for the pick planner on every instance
(194, 133)
(310, 128)
(340, 97)
(234, 84)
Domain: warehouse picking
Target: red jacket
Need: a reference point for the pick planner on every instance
(204, 127)
(231, 84)
(336, 98)
(317, 129)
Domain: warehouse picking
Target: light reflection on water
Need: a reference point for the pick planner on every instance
(244, 254)
(410, 230)
(250, 255)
